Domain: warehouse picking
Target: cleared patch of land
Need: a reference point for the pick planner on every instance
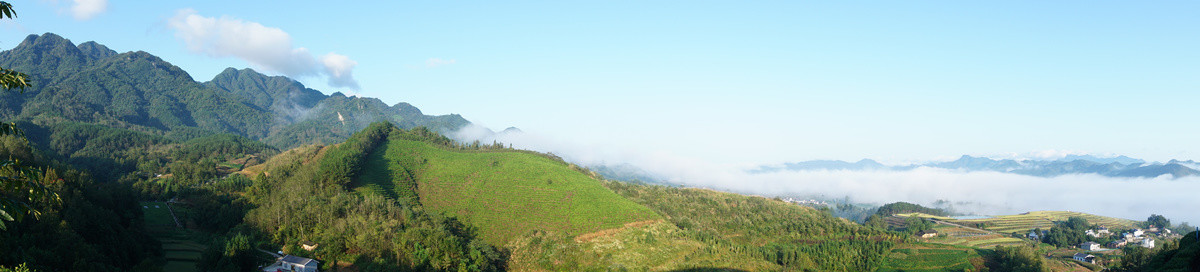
(181, 252)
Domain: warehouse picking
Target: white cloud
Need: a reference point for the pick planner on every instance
(992, 193)
(435, 62)
(81, 10)
(88, 9)
(265, 47)
(339, 68)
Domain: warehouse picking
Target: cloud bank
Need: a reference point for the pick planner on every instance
(987, 193)
(267, 48)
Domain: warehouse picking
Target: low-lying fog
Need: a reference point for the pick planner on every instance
(985, 193)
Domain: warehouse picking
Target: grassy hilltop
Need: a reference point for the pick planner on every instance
(504, 193)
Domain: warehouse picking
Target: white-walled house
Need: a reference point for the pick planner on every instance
(1090, 246)
(1148, 243)
(1138, 232)
(1087, 258)
(300, 264)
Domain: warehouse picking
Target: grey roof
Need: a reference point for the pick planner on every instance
(1090, 243)
(298, 260)
(1082, 256)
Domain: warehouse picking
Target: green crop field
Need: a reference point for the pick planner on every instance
(156, 213)
(1025, 222)
(179, 249)
(932, 257)
(505, 194)
(1007, 241)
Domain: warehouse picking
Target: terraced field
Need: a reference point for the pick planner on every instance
(932, 257)
(971, 238)
(1022, 223)
(181, 252)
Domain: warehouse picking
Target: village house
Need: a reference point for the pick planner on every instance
(299, 264)
(1148, 243)
(928, 233)
(1117, 244)
(1138, 232)
(1090, 246)
(1034, 235)
(1087, 258)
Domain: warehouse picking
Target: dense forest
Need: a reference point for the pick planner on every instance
(97, 226)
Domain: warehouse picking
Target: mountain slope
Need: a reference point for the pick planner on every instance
(91, 83)
(504, 193)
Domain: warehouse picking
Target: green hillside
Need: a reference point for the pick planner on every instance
(790, 236)
(504, 193)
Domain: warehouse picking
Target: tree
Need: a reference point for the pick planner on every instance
(1158, 221)
(1017, 259)
(1067, 233)
(19, 183)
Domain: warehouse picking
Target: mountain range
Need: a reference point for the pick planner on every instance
(1120, 166)
(91, 83)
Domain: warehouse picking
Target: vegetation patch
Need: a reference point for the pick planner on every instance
(932, 257)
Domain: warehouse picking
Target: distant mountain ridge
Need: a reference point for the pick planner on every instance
(91, 83)
(1120, 166)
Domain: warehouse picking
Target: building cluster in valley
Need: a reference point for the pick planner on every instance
(808, 202)
(1134, 237)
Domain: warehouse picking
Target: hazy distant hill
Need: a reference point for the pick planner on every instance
(1120, 166)
(91, 83)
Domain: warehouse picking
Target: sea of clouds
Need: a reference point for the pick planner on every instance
(984, 193)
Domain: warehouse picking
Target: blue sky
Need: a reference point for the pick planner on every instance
(729, 81)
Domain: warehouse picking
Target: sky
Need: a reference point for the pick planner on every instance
(727, 82)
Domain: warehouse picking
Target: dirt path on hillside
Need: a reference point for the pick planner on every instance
(961, 226)
(589, 236)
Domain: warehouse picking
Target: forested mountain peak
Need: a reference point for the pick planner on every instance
(266, 91)
(95, 50)
(45, 58)
(407, 108)
(141, 63)
(91, 83)
(45, 40)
